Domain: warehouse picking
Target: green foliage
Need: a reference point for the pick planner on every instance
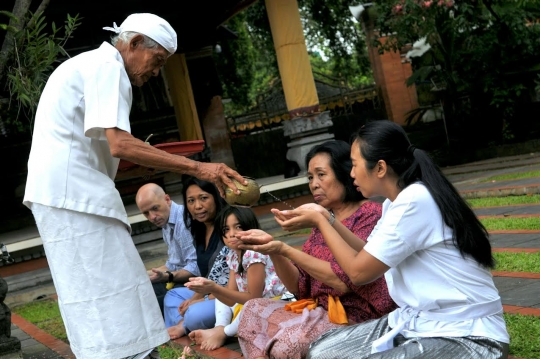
(245, 66)
(509, 176)
(45, 314)
(236, 62)
(248, 65)
(330, 27)
(503, 201)
(524, 332)
(35, 56)
(482, 55)
(511, 224)
(6, 26)
(517, 262)
(38, 311)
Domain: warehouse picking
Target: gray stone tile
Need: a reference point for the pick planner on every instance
(19, 334)
(521, 292)
(41, 353)
(504, 284)
(29, 342)
(524, 240)
(523, 182)
(36, 351)
(509, 210)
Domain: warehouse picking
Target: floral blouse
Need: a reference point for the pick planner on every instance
(362, 302)
(272, 284)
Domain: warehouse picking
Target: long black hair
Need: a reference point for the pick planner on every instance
(247, 220)
(340, 162)
(385, 140)
(198, 229)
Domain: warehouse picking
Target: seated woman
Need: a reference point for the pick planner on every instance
(267, 329)
(252, 275)
(184, 309)
(430, 246)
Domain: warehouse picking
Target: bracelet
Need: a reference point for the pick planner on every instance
(206, 297)
(171, 276)
(332, 218)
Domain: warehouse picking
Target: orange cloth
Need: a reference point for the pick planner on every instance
(336, 312)
(299, 305)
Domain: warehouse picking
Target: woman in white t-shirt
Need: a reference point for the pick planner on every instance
(433, 251)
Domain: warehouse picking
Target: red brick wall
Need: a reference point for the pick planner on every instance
(390, 74)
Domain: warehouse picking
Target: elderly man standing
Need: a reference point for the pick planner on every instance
(81, 132)
(181, 264)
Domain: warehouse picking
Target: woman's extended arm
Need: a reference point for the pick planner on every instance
(265, 244)
(349, 237)
(361, 267)
(230, 295)
(281, 254)
(317, 268)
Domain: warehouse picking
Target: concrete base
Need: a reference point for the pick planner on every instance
(299, 148)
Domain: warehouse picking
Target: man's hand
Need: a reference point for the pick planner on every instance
(123, 145)
(221, 175)
(184, 306)
(156, 275)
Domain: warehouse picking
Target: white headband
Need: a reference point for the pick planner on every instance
(150, 25)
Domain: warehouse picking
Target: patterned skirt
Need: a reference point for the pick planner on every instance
(355, 342)
(268, 330)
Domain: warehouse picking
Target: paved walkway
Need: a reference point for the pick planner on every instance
(520, 292)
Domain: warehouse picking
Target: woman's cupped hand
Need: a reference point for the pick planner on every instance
(305, 216)
(259, 241)
(200, 285)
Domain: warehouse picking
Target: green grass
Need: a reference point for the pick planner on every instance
(510, 176)
(524, 332)
(503, 201)
(517, 262)
(510, 223)
(45, 314)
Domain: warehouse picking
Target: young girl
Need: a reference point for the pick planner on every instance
(253, 277)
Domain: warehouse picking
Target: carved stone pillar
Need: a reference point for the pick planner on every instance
(10, 347)
(306, 133)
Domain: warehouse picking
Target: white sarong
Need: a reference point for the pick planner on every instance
(104, 294)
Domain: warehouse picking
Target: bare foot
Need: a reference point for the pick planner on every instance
(216, 337)
(200, 335)
(196, 335)
(176, 331)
